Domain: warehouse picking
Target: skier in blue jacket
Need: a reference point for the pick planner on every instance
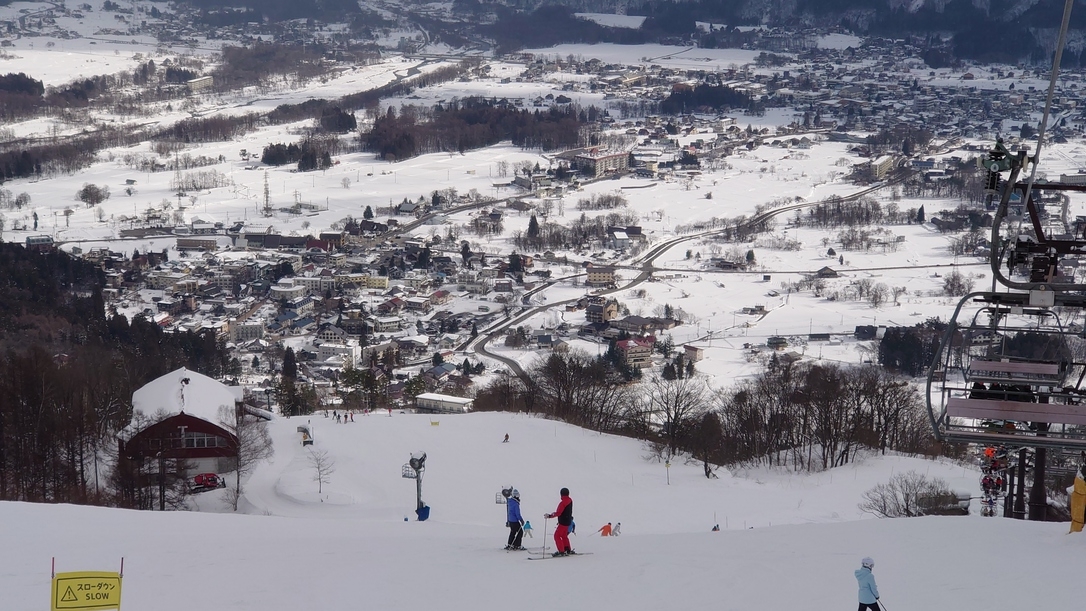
(869, 592)
(514, 521)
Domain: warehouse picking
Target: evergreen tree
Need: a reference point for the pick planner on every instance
(665, 346)
(367, 213)
(423, 262)
(474, 330)
(669, 372)
(290, 364)
(437, 360)
(920, 214)
(288, 397)
(414, 387)
(533, 228)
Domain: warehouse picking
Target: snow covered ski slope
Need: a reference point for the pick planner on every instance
(786, 541)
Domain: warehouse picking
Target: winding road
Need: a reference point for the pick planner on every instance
(644, 263)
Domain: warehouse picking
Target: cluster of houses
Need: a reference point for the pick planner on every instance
(345, 305)
(349, 306)
(635, 335)
(837, 92)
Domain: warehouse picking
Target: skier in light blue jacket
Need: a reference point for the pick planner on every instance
(869, 592)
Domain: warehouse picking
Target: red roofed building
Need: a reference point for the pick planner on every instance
(391, 306)
(636, 352)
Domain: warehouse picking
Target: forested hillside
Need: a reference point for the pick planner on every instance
(67, 373)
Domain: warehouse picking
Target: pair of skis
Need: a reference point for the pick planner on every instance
(544, 556)
(543, 553)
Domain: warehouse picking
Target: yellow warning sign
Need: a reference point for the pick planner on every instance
(86, 591)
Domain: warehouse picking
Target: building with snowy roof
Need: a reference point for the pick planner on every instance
(175, 432)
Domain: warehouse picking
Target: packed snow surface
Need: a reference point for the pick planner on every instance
(787, 540)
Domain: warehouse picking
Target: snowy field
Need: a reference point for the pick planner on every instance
(613, 21)
(691, 58)
(89, 42)
(786, 540)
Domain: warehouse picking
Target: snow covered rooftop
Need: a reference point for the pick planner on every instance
(186, 391)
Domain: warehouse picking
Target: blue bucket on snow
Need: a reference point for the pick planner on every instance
(423, 513)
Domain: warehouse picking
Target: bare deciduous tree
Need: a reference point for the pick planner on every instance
(898, 291)
(957, 284)
(907, 495)
(707, 442)
(323, 467)
(254, 443)
(877, 294)
(863, 287)
(677, 405)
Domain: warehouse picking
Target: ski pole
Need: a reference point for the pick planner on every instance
(544, 537)
(881, 604)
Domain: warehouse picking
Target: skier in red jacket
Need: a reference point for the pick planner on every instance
(564, 513)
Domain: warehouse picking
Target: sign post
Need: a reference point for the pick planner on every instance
(86, 591)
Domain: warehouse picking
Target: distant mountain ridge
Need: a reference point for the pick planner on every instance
(1007, 31)
(985, 30)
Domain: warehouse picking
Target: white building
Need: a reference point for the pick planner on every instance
(349, 353)
(316, 285)
(287, 289)
(438, 403)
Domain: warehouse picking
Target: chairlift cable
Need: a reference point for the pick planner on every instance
(1060, 43)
